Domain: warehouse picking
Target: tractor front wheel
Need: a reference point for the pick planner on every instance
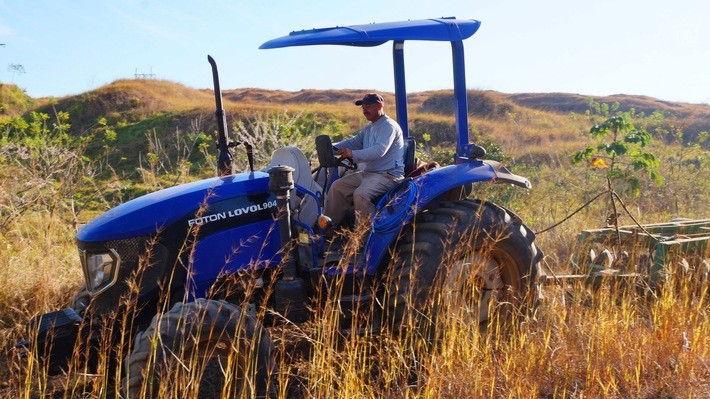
(201, 349)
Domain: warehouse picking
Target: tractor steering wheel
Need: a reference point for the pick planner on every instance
(346, 163)
(326, 155)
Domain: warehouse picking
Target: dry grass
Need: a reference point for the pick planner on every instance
(610, 342)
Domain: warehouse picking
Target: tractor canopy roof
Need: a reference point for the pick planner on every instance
(375, 34)
(436, 29)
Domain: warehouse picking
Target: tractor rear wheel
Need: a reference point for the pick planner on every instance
(201, 349)
(469, 257)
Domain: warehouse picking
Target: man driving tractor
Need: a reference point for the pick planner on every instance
(380, 146)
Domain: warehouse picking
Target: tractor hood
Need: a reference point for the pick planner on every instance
(154, 211)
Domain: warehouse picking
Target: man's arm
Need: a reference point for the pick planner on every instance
(383, 137)
(353, 143)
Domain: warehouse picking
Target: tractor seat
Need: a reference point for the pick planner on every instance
(293, 157)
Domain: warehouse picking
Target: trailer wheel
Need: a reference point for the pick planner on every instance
(202, 349)
(470, 257)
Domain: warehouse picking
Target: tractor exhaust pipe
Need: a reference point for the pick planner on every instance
(224, 159)
(290, 293)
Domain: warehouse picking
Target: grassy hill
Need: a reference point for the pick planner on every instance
(533, 120)
(137, 99)
(536, 118)
(691, 118)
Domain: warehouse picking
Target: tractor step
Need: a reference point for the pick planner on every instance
(345, 280)
(352, 290)
(356, 314)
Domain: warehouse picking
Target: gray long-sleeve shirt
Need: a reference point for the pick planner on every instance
(380, 145)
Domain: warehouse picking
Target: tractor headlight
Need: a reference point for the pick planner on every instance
(100, 269)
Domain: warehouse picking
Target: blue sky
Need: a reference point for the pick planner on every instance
(657, 48)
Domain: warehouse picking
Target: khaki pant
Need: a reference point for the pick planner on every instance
(359, 189)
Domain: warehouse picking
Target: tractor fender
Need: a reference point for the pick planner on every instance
(398, 207)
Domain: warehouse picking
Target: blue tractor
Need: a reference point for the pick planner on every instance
(215, 253)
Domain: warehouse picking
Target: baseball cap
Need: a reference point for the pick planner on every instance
(370, 98)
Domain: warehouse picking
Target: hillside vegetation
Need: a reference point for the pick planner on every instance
(65, 160)
(523, 124)
(13, 100)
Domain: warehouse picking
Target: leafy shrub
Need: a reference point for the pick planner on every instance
(42, 163)
(13, 100)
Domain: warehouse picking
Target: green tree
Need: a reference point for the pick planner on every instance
(621, 155)
(621, 152)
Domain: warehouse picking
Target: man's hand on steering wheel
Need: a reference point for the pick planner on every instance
(345, 152)
(346, 158)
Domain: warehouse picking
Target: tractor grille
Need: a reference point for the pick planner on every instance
(129, 249)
